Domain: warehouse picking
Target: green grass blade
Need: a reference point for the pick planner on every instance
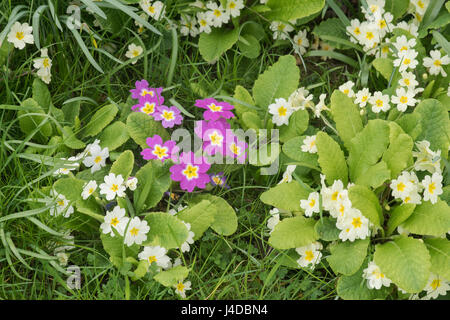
(36, 18)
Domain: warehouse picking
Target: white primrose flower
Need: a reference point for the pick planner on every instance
(138, 24)
(62, 205)
(370, 36)
(347, 89)
(426, 159)
(20, 35)
(353, 225)
(309, 255)
(420, 5)
(131, 183)
(188, 26)
(362, 97)
(287, 175)
(403, 99)
(136, 231)
(411, 28)
(113, 186)
(403, 45)
(413, 196)
(114, 219)
(234, 7)
(321, 106)
(217, 14)
(155, 254)
(354, 30)
(43, 64)
(408, 80)
(63, 258)
(432, 187)
(155, 10)
(281, 111)
(379, 102)
(309, 144)
(436, 286)
(407, 60)
(402, 186)
(375, 7)
(311, 205)
(133, 52)
(343, 205)
(435, 63)
(190, 239)
(274, 219)
(384, 23)
(325, 46)
(331, 196)
(181, 287)
(67, 167)
(280, 30)
(301, 41)
(204, 22)
(375, 278)
(96, 158)
(88, 189)
(299, 99)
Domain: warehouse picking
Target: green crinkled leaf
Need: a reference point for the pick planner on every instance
(166, 230)
(100, 120)
(123, 165)
(331, 159)
(326, 229)
(399, 215)
(354, 287)
(71, 188)
(250, 50)
(347, 257)
(332, 27)
(71, 111)
(41, 94)
(293, 233)
(384, 66)
(141, 270)
(91, 208)
(114, 135)
(439, 250)
(298, 123)
(411, 124)
(375, 175)
(367, 147)
(171, 277)
(225, 219)
(153, 181)
(285, 196)
(346, 115)
(399, 152)
(28, 123)
(293, 9)
(429, 219)
(214, 44)
(435, 125)
(141, 126)
(70, 139)
(200, 216)
(292, 148)
(278, 81)
(251, 120)
(113, 246)
(241, 94)
(405, 261)
(396, 7)
(366, 201)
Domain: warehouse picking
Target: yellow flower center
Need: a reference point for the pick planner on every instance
(401, 186)
(145, 92)
(114, 221)
(431, 187)
(312, 203)
(436, 283)
(421, 4)
(152, 259)
(148, 108)
(403, 48)
(151, 9)
(135, 53)
(364, 98)
(217, 180)
(134, 232)
(214, 108)
(46, 63)
(407, 61)
(334, 196)
(369, 35)
(346, 91)
(357, 222)
(281, 27)
(382, 24)
(309, 255)
(168, 115)
(404, 99)
(217, 13)
(160, 152)
(299, 42)
(216, 139)
(437, 63)
(379, 103)
(232, 5)
(418, 17)
(203, 22)
(357, 31)
(114, 187)
(407, 199)
(91, 190)
(385, 49)
(180, 286)
(406, 81)
(20, 35)
(190, 171)
(97, 159)
(61, 203)
(282, 111)
(235, 149)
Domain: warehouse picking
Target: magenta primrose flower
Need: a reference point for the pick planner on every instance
(147, 106)
(160, 150)
(235, 148)
(213, 135)
(215, 109)
(143, 91)
(169, 116)
(191, 171)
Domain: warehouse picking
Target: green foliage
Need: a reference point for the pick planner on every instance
(326, 229)
(100, 120)
(166, 230)
(171, 277)
(285, 196)
(429, 219)
(347, 257)
(366, 201)
(141, 126)
(214, 44)
(439, 250)
(114, 136)
(124, 165)
(293, 233)
(200, 216)
(399, 215)
(292, 148)
(293, 9)
(331, 159)
(298, 122)
(71, 188)
(29, 122)
(405, 261)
